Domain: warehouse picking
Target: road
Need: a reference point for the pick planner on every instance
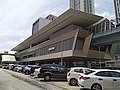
(8, 82)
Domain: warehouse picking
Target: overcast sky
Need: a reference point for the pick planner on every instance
(17, 16)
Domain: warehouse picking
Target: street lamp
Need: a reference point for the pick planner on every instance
(99, 47)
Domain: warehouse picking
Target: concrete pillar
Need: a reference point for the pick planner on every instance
(104, 25)
(110, 25)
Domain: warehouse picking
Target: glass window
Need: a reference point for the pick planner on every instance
(87, 71)
(35, 27)
(78, 70)
(53, 68)
(61, 68)
(64, 45)
(57, 47)
(115, 74)
(45, 67)
(80, 43)
(104, 74)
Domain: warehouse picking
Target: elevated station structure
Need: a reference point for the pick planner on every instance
(68, 40)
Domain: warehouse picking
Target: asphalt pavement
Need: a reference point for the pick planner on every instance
(10, 80)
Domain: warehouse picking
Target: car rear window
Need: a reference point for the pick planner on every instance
(88, 71)
(78, 70)
(85, 71)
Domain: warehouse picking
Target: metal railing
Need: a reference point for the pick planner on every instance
(107, 32)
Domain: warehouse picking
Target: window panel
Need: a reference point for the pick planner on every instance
(115, 74)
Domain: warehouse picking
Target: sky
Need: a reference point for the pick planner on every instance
(17, 17)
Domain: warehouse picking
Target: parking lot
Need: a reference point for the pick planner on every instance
(61, 84)
(53, 77)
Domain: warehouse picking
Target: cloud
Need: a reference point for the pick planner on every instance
(104, 7)
(106, 15)
(17, 16)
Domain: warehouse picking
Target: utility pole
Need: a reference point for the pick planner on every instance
(62, 48)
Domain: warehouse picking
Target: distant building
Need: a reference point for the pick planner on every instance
(117, 10)
(8, 58)
(83, 5)
(41, 22)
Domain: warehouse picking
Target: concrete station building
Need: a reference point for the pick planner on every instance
(67, 40)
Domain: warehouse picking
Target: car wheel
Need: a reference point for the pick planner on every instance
(96, 87)
(47, 77)
(73, 82)
(27, 72)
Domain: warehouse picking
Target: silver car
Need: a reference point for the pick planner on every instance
(101, 79)
(75, 73)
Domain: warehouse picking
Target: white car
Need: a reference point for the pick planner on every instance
(100, 80)
(36, 72)
(17, 68)
(74, 73)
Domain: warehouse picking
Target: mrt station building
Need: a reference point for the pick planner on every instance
(67, 40)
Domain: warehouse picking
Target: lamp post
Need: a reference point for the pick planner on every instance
(99, 56)
(99, 47)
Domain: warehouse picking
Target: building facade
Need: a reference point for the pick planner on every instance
(117, 10)
(83, 5)
(8, 58)
(67, 40)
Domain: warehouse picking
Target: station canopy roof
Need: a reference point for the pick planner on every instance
(69, 17)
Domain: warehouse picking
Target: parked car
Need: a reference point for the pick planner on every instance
(16, 68)
(26, 70)
(33, 69)
(49, 71)
(36, 72)
(74, 73)
(21, 68)
(10, 66)
(13, 66)
(30, 69)
(5, 66)
(101, 80)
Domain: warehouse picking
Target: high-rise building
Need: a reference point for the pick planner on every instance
(83, 5)
(41, 22)
(117, 10)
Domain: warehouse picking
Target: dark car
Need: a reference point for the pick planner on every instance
(5, 66)
(49, 71)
